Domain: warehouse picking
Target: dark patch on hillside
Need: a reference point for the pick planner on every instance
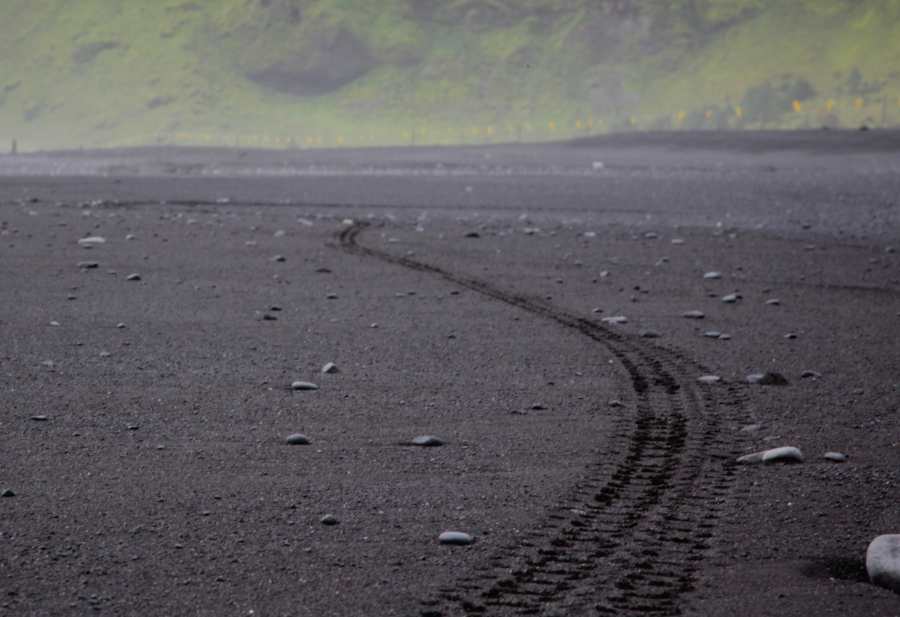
(337, 58)
(89, 52)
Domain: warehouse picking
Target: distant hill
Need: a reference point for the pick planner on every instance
(296, 73)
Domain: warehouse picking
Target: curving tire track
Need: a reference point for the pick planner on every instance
(630, 538)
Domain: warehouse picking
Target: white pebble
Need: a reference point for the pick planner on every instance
(303, 385)
(427, 441)
(693, 314)
(785, 454)
(730, 298)
(615, 320)
(330, 368)
(835, 457)
(712, 276)
(709, 379)
(92, 241)
(455, 538)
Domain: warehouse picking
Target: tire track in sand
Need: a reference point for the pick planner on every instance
(631, 537)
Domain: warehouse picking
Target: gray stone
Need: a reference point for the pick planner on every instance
(427, 441)
(693, 314)
(40, 418)
(455, 538)
(883, 562)
(835, 457)
(92, 241)
(297, 439)
(616, 320)
(712, 276)
(810, 375)
(730, 298)
(784, 454)
(303, 385)
(88, 265)
(329, 520)
(773, 302)
(649, 334)
(8, 492)
(712, 334)
(330, 368)
(769, 378)
(133, 277)
(751, 428)
(279, 258)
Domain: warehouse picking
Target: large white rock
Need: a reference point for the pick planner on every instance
(883, 562)
(785, 454)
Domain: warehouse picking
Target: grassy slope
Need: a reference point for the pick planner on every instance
(175, 76)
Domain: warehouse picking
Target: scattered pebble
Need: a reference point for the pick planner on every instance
(279, 258)
(769, 378)
(790, 336)
(712, 276)
(329, 520)
(810, 375)
(473, 234)
(8, 492)
(105, 354)
(92, 241)
(331, 296)
(648, 334)
(751, 428)
(616, 403)
(677, 241)
(133, 277)
(712, 334)
(88, 265)
(785, 454)
(651, 235)
(724, 337)
(709, 379)
(303, 385)
(773, 302)
(693, 314)
(883, 562)
(835, 457)
(730, 298)
(427, 441)
(40, 418)
(120, 326)
(330, 368)
(616, 320)
(297, 439)
(455, 538)
(54, 323)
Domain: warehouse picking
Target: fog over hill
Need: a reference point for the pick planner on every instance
(325, 73)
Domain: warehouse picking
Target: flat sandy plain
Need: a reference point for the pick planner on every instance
(461, 293)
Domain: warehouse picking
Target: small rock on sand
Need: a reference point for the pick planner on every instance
(616, 320)
(810, 375)
(649, 334)
(712, 276)
(835, 457)
(92, 241)
(773, 302)
(88, 265)
(330, 368)
(769, 378)
(329, 520)
(297, 439)
(693, 314)
(730, 298)
(7, 492)
(303, 385)
(785, 454)
(709, 379)
(427, 441)
(455, 538)
(133, 277)
(883, 562)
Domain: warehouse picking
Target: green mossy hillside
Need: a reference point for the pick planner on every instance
(317, 73)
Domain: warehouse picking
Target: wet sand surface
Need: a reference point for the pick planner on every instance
(461, 293)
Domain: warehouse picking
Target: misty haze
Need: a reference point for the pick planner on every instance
(449, 308)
